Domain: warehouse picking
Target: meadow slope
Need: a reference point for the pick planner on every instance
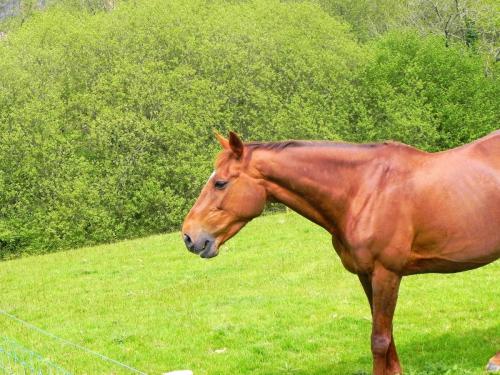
(275, 301)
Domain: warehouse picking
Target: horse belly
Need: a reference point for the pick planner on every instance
(419, 264)
(460, 229)
(456, 247)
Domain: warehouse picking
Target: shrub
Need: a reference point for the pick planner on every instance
(107, 118)
(418, 91)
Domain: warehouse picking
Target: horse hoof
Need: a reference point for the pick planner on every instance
(492, 367)
(494, 364)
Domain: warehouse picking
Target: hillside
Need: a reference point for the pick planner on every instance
(276, 301)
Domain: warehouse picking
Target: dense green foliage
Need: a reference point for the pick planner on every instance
(473, 23)
(106, 116)
(426, 94)
(277, 300)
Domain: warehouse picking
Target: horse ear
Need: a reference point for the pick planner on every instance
(223, 141)
(236, 144)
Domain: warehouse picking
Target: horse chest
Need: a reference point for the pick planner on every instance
(357, 262)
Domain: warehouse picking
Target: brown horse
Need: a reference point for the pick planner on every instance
(392, 210)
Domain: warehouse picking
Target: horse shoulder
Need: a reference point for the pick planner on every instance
(378, 222)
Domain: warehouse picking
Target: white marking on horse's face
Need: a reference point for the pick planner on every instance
(212, 175)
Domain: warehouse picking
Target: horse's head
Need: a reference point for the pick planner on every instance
(232, 196)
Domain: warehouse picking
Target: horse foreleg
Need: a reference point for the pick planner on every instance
(393, 365)
(384, 287)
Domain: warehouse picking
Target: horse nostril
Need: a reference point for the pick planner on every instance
(187, 240)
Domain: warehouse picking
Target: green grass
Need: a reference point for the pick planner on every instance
(276, 299)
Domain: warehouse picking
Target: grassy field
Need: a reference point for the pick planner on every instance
(276, 301)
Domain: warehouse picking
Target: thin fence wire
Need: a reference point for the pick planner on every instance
(15, 359)
(63, 341)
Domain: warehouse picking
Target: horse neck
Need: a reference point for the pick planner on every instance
(317, 182)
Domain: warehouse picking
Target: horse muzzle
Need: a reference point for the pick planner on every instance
(204, 245)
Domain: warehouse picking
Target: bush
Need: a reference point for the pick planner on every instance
(420, 92)
(107, 118)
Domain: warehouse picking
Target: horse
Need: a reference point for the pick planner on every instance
(392, 210)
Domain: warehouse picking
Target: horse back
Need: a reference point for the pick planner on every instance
(486, 149)
(456, 207)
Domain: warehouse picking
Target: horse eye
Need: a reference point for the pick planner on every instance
(220, 184)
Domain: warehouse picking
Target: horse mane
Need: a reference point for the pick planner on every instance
(278, 146)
